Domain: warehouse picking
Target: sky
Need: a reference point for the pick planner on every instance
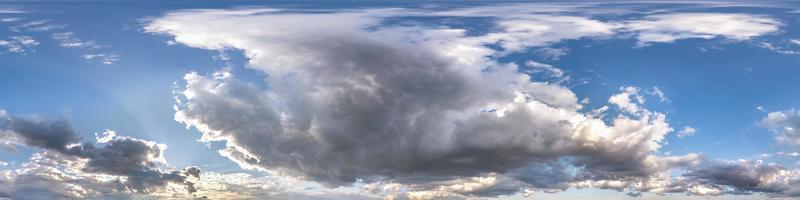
(399, 100)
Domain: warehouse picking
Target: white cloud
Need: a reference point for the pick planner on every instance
(686, 132)
(794, 41)
(628, 100)
(778, 48)
(18, 44)
(656, 91)
(37, 26)
(553, 53)
(676, 26)
(68, 40)
(106, 59)
(540, 30)
(10, 19)
(788, 154)
(11, 10)
(105, 136)
(549, 70)
(785, 125)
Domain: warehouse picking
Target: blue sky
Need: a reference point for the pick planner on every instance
(464, 100)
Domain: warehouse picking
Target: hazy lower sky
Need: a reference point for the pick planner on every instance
(399, 100)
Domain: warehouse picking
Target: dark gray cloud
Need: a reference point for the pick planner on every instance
(136, 160)
(746, 177)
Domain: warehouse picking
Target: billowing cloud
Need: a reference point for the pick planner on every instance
(134, 161)
(427, 112)
(409, 105)
(785, 125)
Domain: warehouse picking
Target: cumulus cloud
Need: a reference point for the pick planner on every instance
(408, 105)
(785, 125)
(429, 112)
(135, 161)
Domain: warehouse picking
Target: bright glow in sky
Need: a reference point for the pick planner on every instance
(408, 100)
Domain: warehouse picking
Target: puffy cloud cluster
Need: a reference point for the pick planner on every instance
(427, 112)
(785, 125)
(127, 164)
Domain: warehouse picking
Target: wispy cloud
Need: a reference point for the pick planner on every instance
(71, 41)
(18, 44)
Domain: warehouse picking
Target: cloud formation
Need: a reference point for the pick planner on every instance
(676, 26)
(785, 125)
(416, 106)
(429, 112)
(134, 161)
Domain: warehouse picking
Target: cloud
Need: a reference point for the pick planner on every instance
(410, 106)
(520, 33)
(686, 132)
(18, 44)
(676, 26)
(788, 47)
(106, 59)
(429, 112)
(68, 40)
(549, 70)
(135, 160)
(37, 26)
(10, 19)
(629, 100)
(11, 10)
(656, 91)
(785, 125)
